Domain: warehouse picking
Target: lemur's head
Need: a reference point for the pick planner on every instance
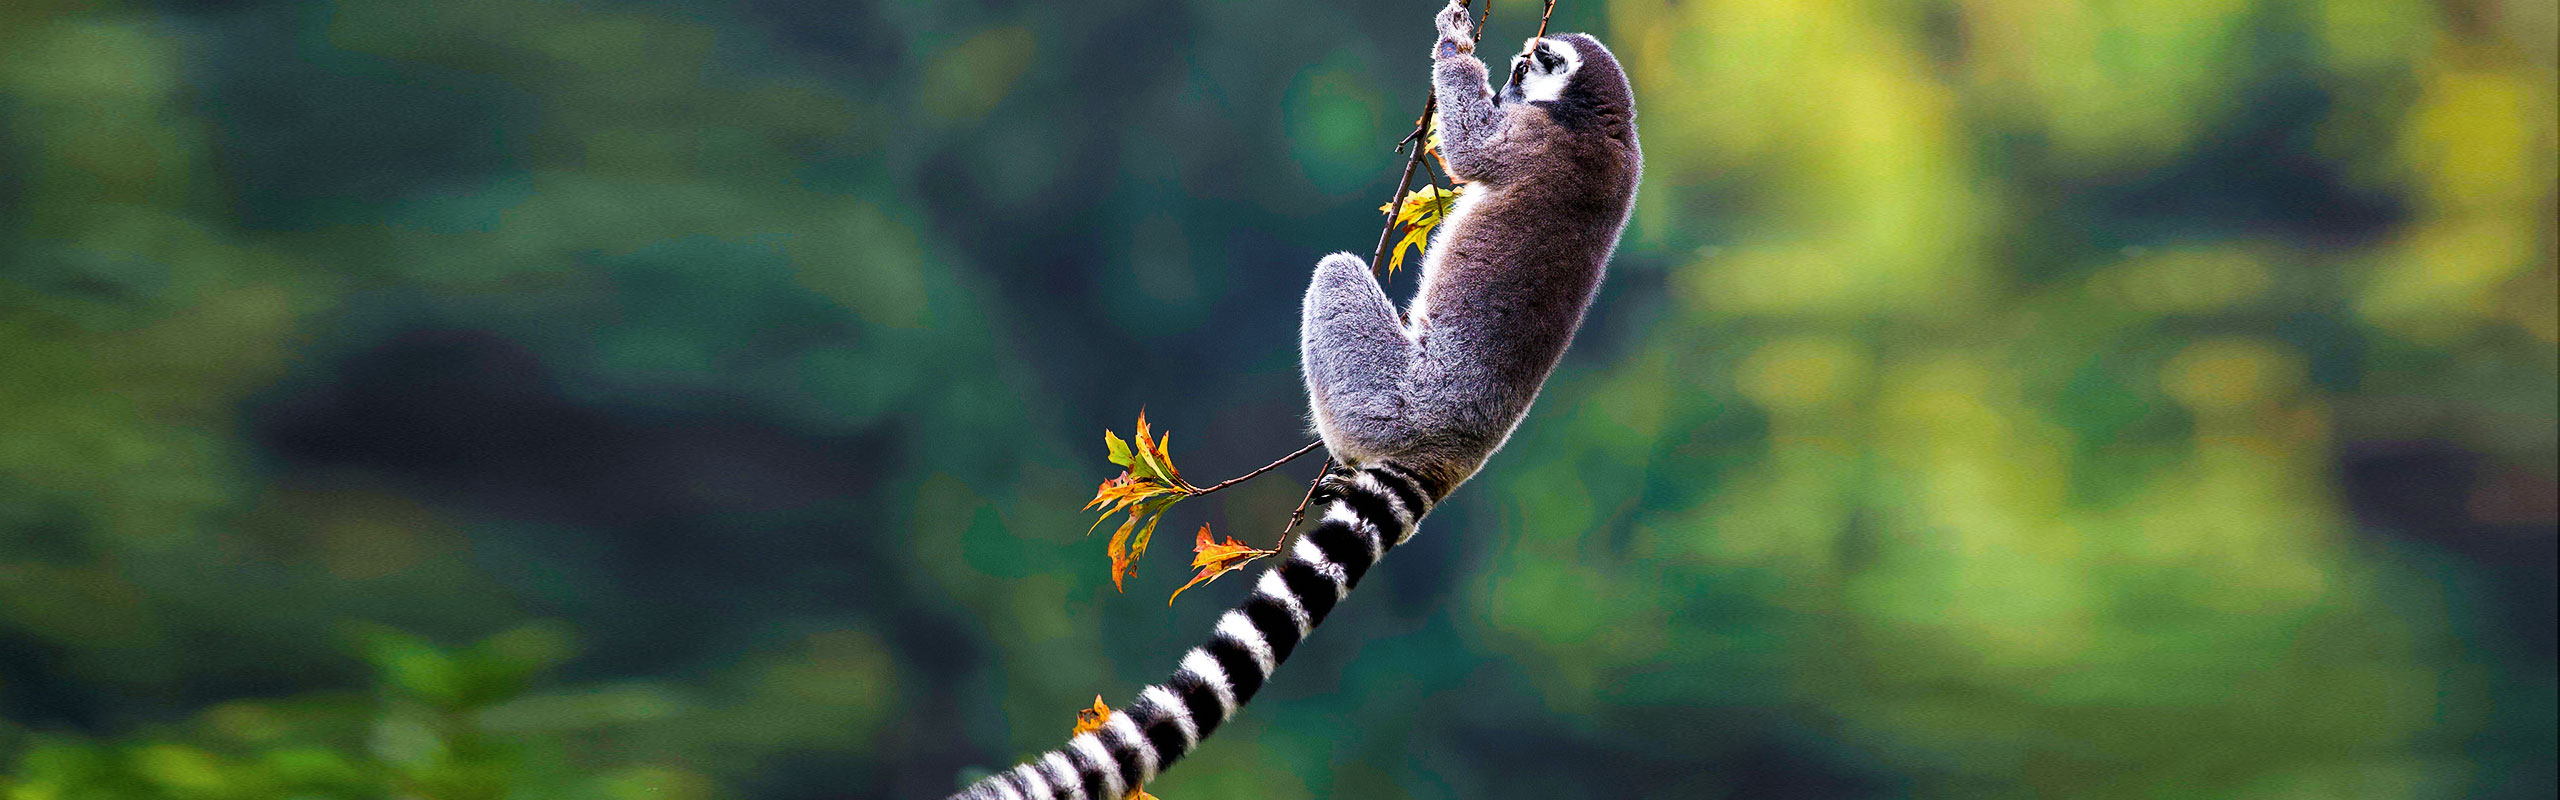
(1542, 70)
(1576, 79)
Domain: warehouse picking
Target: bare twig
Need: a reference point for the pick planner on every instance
(1265, 468)
(1433, 174)
(1542, 18)
(1299, 514)
(1396, 199)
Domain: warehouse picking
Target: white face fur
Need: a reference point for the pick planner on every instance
(1543, 67)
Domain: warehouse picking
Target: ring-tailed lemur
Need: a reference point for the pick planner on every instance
(1411, 407)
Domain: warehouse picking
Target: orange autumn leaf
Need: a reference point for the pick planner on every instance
(1089, 720)
(1130, 542)
(1215, 558)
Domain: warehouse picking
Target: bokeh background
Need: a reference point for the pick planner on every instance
(673, 400)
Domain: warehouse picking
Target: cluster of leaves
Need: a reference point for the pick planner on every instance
(1148, 485)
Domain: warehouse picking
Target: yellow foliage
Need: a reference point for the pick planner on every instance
(1421, 212)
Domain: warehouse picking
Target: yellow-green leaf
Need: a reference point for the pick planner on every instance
(1147, 466)
(1119, 450)
(1421, 211)
(1414, 239)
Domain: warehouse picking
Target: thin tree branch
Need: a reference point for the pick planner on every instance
(1379, 258)
(1542, 18)
(1299, 514)
(1432, 173)
(1265, 468)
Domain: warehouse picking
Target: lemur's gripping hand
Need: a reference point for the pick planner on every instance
(1455, 38)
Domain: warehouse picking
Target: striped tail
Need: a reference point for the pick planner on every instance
(1366, 512)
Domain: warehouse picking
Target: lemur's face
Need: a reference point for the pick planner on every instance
(1541, 70)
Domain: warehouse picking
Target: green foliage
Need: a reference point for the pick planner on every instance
(423, 731)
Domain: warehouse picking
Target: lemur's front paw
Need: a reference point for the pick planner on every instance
(1455, 38)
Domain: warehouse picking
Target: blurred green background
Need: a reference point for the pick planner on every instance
(673, 400)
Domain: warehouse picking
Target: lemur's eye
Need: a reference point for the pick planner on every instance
(1548, 62)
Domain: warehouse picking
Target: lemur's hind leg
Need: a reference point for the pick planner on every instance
(1355, 355)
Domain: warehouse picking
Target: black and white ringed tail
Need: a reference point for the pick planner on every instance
(1366, 511)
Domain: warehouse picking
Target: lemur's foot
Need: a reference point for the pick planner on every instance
(1455, 37)
(1336, 482)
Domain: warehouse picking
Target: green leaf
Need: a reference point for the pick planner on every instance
(1119, 450)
